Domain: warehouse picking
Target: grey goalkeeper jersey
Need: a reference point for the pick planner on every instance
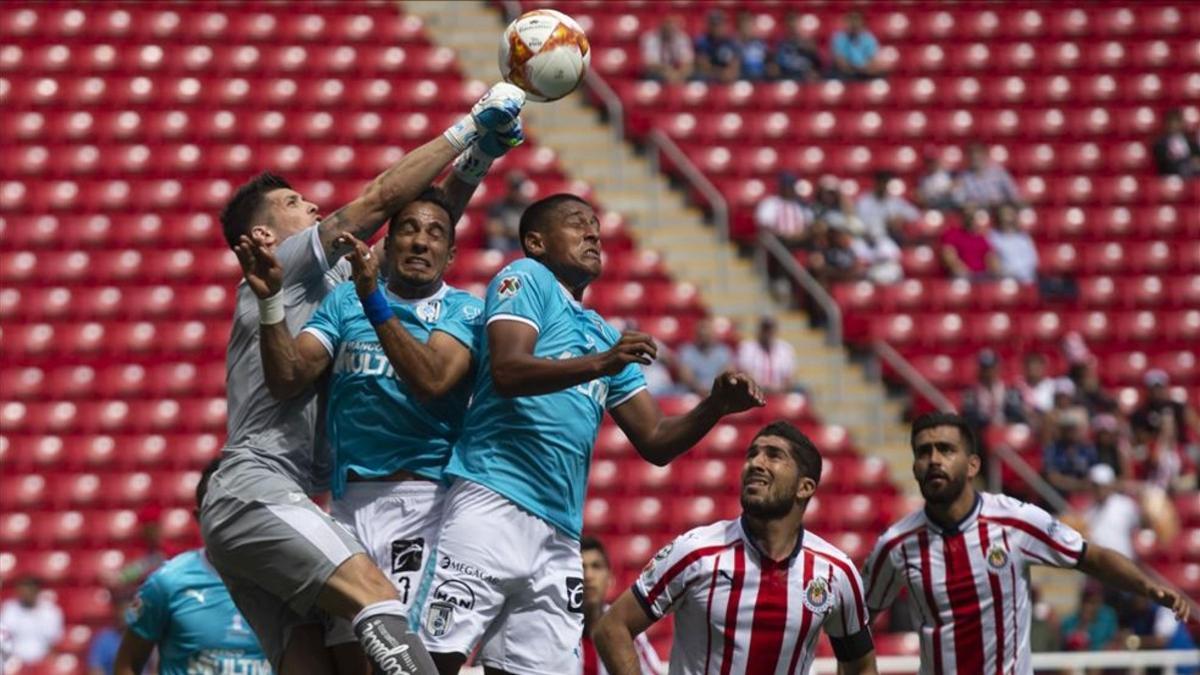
(284, 434)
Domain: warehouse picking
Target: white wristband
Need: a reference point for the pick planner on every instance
(270, 310)
(472, 165)
(462, 133)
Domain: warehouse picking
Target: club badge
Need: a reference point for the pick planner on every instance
(997, 557)
(816, 595)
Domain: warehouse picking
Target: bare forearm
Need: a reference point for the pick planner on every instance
(528, 375)
(614, 644)
(413, 360)
(1113, 569)
(283, 369)
(676, 435)
(458, 194)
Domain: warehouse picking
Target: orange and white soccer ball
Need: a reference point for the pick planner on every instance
(546, 53)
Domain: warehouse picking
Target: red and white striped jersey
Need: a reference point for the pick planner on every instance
(737, 611)
(648, 661)
(970, 584)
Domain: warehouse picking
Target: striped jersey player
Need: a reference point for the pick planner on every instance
(965, 560)
(750, 595)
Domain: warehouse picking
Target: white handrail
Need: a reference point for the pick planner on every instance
(1073, 662)
(833, 313)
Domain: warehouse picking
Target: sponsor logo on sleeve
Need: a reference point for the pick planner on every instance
(509, 286)
(407, 555)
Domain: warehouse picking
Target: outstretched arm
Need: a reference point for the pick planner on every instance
(430, 369)
(403, 181)
(615, 632)
(660, 439)
(290, 364)
(517, 372)
(1114, 569)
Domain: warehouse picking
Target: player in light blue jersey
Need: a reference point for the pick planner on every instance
(185, 610)
(399, 362)
(507, 575)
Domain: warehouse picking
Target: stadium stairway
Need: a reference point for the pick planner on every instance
(662, 219)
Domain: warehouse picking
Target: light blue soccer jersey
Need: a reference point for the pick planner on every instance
(184, 608)
(374, 424)
(536, 450)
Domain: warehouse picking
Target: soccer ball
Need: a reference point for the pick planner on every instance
(546, 53)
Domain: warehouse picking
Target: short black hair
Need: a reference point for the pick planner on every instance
(537, 215)
(945, 419)
(239, 214)
(202, 485)
(433, 195)
(589, 543)
(804, 451)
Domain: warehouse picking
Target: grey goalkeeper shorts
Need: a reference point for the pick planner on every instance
(273, 546)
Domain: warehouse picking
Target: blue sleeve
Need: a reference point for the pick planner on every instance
(464, 321)
(150, 611)
(623, 385)
(872, 46)
(839, 44)
(326, 323)
(520, 292)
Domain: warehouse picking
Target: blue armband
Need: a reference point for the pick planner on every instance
(376, 307)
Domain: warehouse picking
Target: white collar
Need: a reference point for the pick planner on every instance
(436, 295)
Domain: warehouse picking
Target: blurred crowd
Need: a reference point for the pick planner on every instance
(738, 50)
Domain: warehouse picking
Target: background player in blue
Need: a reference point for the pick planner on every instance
(399, 363)
(185, 610)
(507, 568)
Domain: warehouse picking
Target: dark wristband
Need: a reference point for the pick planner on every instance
(376, 307)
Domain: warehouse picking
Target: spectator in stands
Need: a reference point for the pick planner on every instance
(1113, 519)
(784, 214)
(833, 258)
(1037, 389)
(1155, 627)
(1168, 464)
(833, 205)
(883, 212)
(965, 250)
(878, 257)
(1070, 456)
(1065, 406)
(991, 401)
(797, 56)
(598, 581)
(102, 653)
(1112, 448)
(703, 359)
(667, 52)
(1090, 392)
(1093, 626)
(770, 361)
(935, 187)
(1176, 153)
(985, 184)
(1159, 404)
(717, 51)
(659, 381)
(1043, 628)
(504, 217)
(753, 55)
(32, 623)
(854, 50)
(1016, 254)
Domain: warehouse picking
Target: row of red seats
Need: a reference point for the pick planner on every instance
(92, 490)
(214, 22)
(154, 58)
(1061, 91)
(1038, 326)
(211, 194)
(113, 380)
(22, 453)
(117, 415)
(898, 22)
(198, 230)
(737, 159)
(1179, 291)
(634, 476)
(64, 567)
(90, 529)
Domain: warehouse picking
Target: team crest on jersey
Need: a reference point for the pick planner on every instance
(997, 557)
(508, 287)
(439, 618)
(816, 595)
(429, 312)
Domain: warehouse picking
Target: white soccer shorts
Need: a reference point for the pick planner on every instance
(505, 580)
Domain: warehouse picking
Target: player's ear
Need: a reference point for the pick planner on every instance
(974, 465)
(534, 244)
(806, 488)
(263, 235)
(450, 254)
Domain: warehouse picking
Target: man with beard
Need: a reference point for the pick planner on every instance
(965, 559)
(752, 594)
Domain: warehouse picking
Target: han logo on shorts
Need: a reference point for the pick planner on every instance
(407, 554)
(575, 595)
(508, 287)
(447, 597)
